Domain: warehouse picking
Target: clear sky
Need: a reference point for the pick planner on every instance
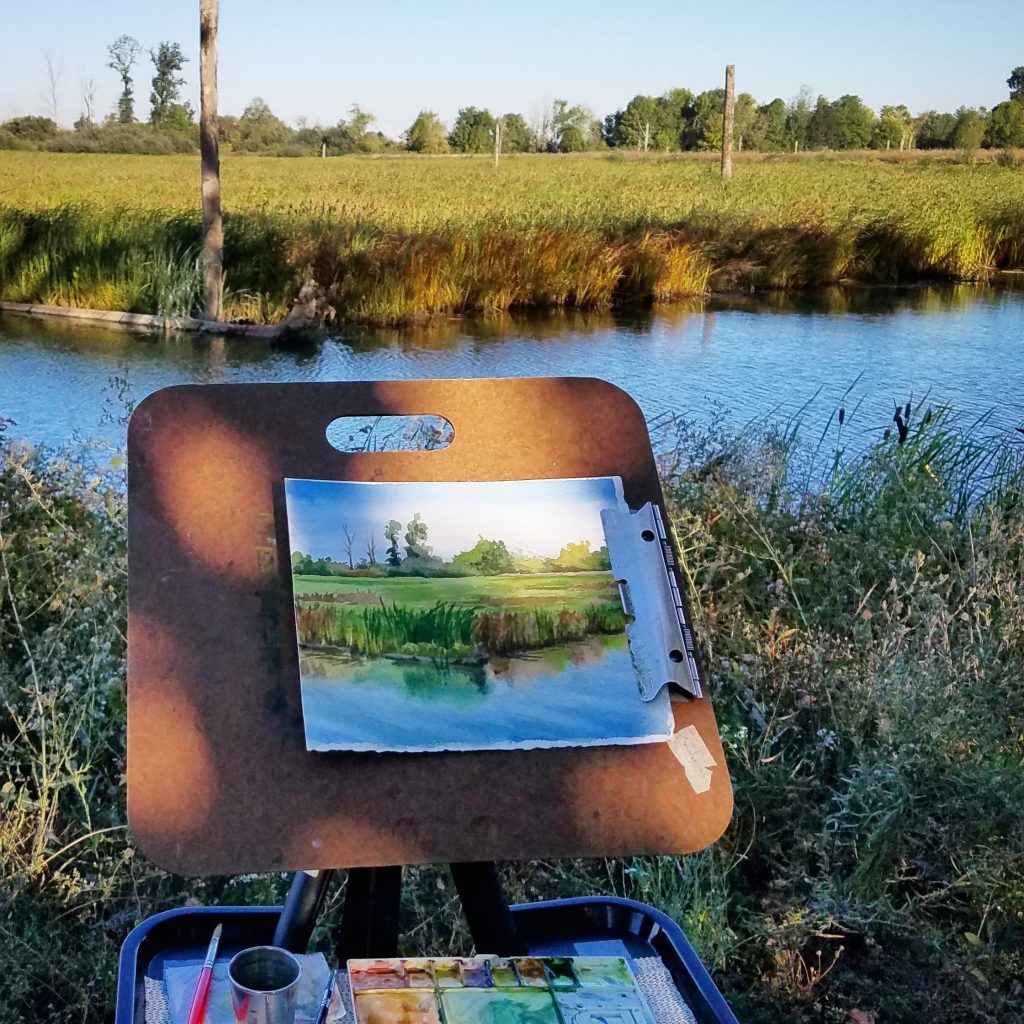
(532, 517)
(315, 58)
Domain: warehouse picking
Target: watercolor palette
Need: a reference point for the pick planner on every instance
(491, 990)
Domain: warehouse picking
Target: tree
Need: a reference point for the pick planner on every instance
(515, 134)
(1016, 83)
(798, 119)
(209, 161)
(486, 558)
(426, 134)
(416, 538)
(704, 121)
(894, 128)
(769, 131)
(745, 121)
(259, 129)
(54, 73)
(392, 532)
(473, 131)
(637, 126)
(935, 130)
(970, 129)
(573, 129)
(89, 102)
(853, 123)
(168, 60)
(1005, 124)
(124, 52)
(371, 550)
(349, 542)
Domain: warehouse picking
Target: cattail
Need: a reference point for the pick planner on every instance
(842, 414)
(906, 412)
(887, 434)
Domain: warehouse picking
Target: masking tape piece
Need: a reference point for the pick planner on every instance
(692, 753)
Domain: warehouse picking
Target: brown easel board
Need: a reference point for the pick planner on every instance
(219, 777)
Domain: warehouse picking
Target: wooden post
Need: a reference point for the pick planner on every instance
(730, 74)
(209, 156)
(497, 140)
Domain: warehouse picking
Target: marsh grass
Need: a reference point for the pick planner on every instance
(393, 240)
(448, 630)
(862, 623)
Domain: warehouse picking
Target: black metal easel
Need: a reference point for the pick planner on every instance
(369, 918)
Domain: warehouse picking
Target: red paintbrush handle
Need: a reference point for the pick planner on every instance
(198, 1009)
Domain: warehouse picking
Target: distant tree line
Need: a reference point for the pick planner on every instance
(677, 121)
(485, 558)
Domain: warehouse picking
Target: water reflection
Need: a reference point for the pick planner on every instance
(756, 354)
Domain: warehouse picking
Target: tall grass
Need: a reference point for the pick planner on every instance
(447, 630)
(864, 640)
(392, 240)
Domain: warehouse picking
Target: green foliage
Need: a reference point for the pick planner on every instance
(970, 129)
(168, 60)
(516, 136)
(473, 131)
(31, 128)
(426, 134)
(485, 558)
(1005, 125)
(1016, 83)
(124, 52)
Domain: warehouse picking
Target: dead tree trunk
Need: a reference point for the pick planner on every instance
(209, 155)
(497, 140)
(730, 74)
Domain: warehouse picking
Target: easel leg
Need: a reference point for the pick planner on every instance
(369, 918)
(301, 908)
(486, 909)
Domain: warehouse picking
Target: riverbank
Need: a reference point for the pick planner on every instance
(865, 646)
(396, 240)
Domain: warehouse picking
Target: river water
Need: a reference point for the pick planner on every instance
(732, 359)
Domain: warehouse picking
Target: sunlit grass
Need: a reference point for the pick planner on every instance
(393, 239)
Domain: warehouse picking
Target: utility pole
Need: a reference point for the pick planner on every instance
(730, 88)
(209, 156)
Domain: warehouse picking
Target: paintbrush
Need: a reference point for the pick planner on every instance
(325, 1003)
(197, 1011)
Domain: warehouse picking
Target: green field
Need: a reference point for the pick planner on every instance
(574, 591)
(394, 238)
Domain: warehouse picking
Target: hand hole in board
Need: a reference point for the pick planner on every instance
(676, 656)
(390, 433)
(647, 535)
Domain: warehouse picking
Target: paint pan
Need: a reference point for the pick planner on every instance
(419, 973)
(368, 975)
(560, 972)
(447, 974)
(498, 1006)
(600, 971)
(503, 973)
(397, 1006)
(475, 973)
(531, 972)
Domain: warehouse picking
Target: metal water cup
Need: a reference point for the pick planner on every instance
(264, 985)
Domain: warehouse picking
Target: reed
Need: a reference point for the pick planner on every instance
(448, 630)
(392, 240)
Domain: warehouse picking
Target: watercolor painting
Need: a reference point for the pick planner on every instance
(462, 616)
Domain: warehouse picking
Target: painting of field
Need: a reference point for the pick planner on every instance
(460, 616)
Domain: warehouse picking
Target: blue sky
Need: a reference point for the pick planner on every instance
(315, 58)
(532, 517)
